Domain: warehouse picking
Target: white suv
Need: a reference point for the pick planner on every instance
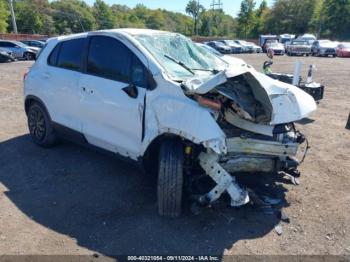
(156, 96)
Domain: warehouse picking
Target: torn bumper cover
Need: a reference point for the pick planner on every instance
(256, 115)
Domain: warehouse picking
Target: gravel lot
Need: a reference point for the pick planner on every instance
(72, 200)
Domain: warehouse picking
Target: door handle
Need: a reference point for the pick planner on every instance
(131, 90)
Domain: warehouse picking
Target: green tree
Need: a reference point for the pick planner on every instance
(193, 8)
(155, 20)
(290, 16)
(261, 14)
(34, 16)
(72, 16)
(246, 18)
(317, 20)
(103, 15)
(337, 18)
(4, 14)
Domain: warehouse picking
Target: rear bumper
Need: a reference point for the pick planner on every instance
(327, 52)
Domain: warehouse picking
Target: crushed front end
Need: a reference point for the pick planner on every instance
(257, 138)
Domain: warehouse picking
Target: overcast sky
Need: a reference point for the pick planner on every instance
(230, 6)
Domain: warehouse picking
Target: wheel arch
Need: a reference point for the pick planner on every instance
(152, 150)
(30, 99)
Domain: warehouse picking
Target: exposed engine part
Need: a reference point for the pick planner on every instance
(293, 178)
(237, 121)
(215, 105)
(224, 181)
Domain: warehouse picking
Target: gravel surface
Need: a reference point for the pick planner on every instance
(72, 200)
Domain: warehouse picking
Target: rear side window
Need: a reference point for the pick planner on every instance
(109, 58)
(70, 54)
(52, 60)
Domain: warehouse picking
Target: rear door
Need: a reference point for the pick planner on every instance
(112, 110)
(60, 80)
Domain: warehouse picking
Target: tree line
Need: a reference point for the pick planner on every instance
(327, 18)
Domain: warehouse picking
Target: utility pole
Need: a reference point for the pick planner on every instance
(14, 25)
(214, 6)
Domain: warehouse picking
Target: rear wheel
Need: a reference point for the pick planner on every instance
(170, 178)
(40, 126)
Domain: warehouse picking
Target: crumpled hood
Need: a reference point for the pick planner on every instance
(289, 103)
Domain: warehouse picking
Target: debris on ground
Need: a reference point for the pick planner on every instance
(283, 216)
(278, 229)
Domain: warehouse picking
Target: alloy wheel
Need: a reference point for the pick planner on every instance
(37, 126)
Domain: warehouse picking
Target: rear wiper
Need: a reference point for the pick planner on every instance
(180, 63)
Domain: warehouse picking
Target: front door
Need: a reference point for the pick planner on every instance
(113, 91)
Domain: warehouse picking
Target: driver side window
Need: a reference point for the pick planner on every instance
(111, 59)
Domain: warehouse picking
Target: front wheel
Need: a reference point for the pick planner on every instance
(40, 126)
(170, 178)
(28, 56)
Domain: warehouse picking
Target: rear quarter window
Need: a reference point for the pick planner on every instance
(52, 60)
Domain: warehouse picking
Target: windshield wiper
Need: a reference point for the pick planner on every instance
(213, 71)
(180, 63)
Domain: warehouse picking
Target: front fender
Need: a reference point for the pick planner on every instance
(175, 113)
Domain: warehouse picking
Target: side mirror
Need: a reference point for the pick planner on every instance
(131, 90)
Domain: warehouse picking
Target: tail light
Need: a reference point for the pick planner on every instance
(215, 105)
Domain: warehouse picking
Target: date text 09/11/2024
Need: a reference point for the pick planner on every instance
(173, 258)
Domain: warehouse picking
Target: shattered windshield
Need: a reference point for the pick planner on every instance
(180, 50)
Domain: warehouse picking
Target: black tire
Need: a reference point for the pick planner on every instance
(28, 56)
(40, 126)
(170, 178)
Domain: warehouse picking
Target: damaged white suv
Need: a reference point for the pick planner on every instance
(156, 96)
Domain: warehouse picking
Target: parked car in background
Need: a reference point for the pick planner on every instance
(246, 47)
(219, 46)
(343, 49)
(277, 48)
(6, 56)
(283, 39)
(298, 47)
(263, 39)
(310, 38)
(19, 50)
(256, 48)
(227, 58)
(235, 48)
(324, 48)
(33, 43)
